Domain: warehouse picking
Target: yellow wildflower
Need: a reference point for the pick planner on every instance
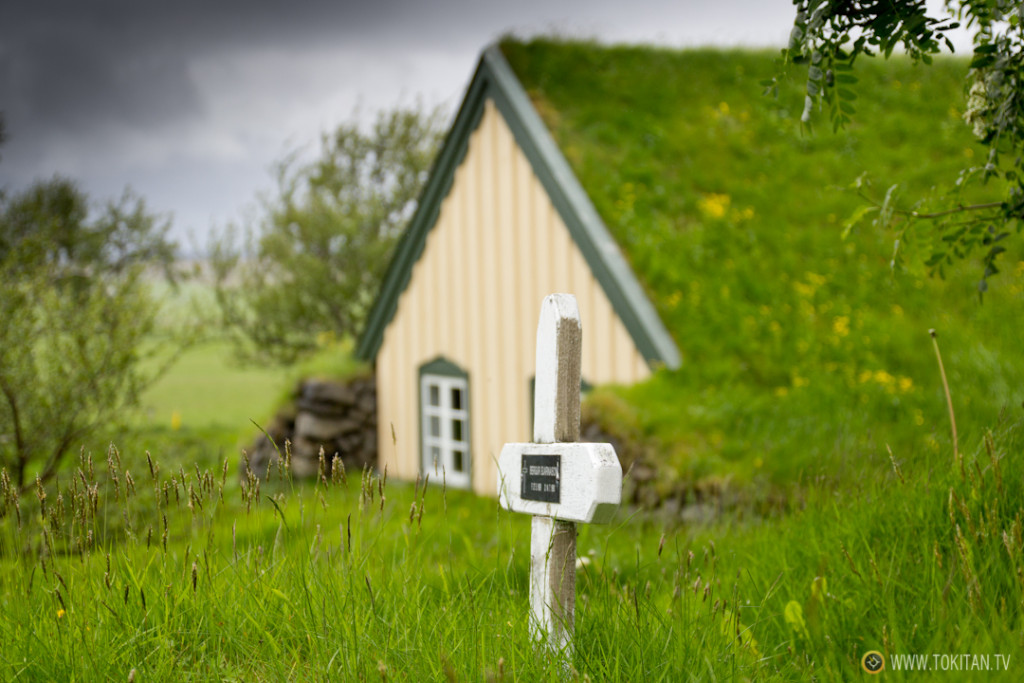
(714, 205)
(60, 613)
(841, 325)
(906, 384)
(884, 378)
(803, 290)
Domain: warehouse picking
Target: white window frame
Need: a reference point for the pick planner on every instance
(444, 441)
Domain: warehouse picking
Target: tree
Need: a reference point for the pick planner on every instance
(315, 262)
(48, 225)
(76, 316)
(829, 35)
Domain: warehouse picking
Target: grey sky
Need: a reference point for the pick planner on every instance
(191, 102)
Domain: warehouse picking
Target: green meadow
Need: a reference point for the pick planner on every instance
(808, 424)
(182, 573)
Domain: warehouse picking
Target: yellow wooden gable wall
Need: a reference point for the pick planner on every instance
(497, 249)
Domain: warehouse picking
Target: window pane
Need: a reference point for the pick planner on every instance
(460, 461)
(456, 398)
(435, 456)
(435, 426)
(435, 395)
(457, 430)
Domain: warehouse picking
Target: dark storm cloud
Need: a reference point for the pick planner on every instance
(189, 102)
(73, 86)
(70, 64)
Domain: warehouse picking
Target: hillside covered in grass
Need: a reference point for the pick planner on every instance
(804, 354)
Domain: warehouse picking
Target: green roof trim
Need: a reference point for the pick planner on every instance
(410, 245)
(443, 366)
(495, 79)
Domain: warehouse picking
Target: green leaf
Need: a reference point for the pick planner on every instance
(855, 218)
(954, 236)
(848, 79)
(981, 61)
(794, 615)
(847, 94)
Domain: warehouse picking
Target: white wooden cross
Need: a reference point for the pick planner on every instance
(557, 480)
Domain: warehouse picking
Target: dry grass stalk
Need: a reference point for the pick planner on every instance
(853, 567)
(957, 458)
(895, 465)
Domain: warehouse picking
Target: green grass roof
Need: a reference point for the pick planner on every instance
(799, 347)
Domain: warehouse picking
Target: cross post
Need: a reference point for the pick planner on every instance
(559, 481)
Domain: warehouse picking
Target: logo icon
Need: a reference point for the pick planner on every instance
(873, 662)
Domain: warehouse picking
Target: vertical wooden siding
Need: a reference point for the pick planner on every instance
(498, 248)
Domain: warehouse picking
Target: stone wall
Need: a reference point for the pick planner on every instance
(340, 417)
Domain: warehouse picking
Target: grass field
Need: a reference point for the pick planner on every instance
(375, 580)
(208, 389)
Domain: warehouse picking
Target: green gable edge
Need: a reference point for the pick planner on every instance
(495, 79)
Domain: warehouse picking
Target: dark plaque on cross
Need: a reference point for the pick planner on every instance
(541, 478)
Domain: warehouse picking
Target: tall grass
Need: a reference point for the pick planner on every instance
(182, 573)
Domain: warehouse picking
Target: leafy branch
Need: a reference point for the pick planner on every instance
(828, 37)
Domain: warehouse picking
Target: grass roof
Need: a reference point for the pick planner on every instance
(802, 351)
